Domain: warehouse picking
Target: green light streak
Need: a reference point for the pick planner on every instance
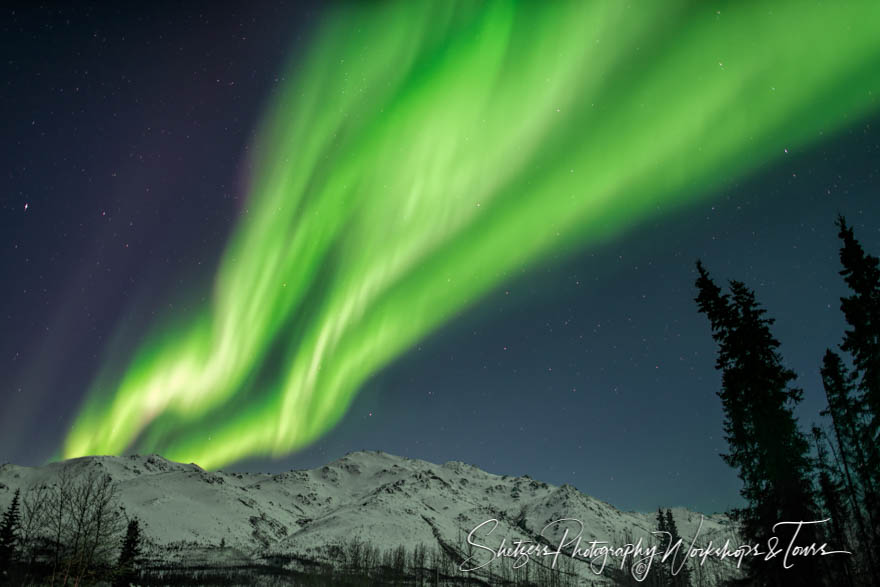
(423, 153)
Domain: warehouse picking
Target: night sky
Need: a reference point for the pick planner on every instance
(127, 136)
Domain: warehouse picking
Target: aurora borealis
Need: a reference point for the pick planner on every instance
(423, 156)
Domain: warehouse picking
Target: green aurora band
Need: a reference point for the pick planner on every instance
(421, 154)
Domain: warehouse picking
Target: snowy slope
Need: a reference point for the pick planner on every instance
(377, 498)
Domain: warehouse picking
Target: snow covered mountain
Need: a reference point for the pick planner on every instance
(363, 500)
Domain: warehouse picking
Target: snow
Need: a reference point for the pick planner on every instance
(381, 499)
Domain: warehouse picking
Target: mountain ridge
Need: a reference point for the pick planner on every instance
(367, 497)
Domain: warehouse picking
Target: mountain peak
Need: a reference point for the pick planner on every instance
(379, 498)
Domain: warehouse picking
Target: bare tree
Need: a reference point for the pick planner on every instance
(34, 509)
(418, 562)
(104, 523)
(82, 522)
(57, 516)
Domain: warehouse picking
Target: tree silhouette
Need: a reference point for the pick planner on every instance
(861, 309)
(854, 395)
(131, 548)
(765, 444)
(9, 534)
(661, 574)
(682, 578)
(851, 439)
(831, 492)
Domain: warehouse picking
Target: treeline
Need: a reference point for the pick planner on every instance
(70, 532)
(832, 473)
(356, 562)
(677, 571)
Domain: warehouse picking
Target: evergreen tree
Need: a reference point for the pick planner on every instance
(862, 312)
(131, 548)
(9, 534)
(851, 436)
(660, 571)
(765, 445)
(831, 492)
(845, 410)
(860, 399)
(662, 529)
(683, 577)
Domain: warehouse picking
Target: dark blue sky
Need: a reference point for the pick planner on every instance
(126, 133)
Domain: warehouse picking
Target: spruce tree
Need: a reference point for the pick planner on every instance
(861, 341)
(845, 410)
(832, 495)
(661, 529)
(131, 548)
(851, 436)
(765, 444)
(9, 534)
(861, 309)
(660, 573)
(683, 577)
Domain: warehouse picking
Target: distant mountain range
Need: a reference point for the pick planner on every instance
(367, 502)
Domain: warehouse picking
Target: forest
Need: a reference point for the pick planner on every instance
(830, 473)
